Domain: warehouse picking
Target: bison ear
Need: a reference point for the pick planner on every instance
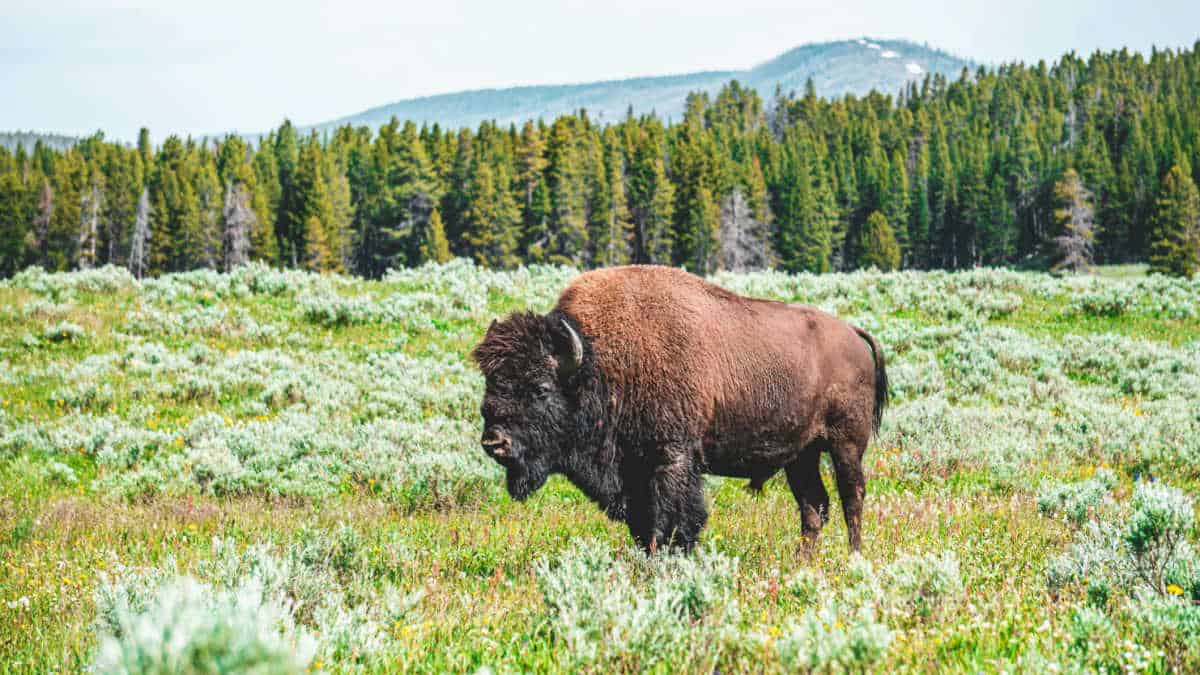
(568, 347)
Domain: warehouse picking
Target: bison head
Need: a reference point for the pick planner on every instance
(528, 409)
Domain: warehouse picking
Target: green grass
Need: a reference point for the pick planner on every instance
(473, 555)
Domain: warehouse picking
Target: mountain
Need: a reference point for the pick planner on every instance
(836, 68)
(27, 139)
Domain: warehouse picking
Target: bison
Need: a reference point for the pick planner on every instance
(643, 378)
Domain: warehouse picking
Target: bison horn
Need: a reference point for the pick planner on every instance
(576, 358)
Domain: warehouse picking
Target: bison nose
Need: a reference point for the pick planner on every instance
(496, 443)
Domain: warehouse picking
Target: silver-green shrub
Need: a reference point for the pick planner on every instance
(663, 611)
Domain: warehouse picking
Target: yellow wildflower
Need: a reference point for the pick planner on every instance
(1174, 589)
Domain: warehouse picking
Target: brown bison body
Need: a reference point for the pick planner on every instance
(644, 378)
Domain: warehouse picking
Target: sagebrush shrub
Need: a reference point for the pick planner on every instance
(1077, 501)
(665, 610)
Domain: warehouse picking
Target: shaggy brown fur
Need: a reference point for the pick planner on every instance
(675, 377)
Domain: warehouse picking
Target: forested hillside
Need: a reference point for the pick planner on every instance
(1080, 160)
(836, 68)
(12, 139)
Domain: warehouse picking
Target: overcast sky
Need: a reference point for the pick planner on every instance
(217, 65)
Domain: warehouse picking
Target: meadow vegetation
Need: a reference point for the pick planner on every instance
(279, 471)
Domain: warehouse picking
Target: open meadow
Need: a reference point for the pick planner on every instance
(281, 470)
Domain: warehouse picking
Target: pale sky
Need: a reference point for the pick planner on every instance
(217, 65)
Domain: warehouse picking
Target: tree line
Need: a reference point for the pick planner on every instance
(1081, 161)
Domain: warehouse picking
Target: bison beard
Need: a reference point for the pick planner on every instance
(644, 378)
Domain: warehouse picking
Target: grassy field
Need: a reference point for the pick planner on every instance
(280, 471)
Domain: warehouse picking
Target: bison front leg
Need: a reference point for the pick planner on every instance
(677, 511)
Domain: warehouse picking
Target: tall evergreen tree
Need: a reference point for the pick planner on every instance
(435, 248)
(1175, 234)
(15, 222)
(492, 216)
(879, 247)
(894, 203)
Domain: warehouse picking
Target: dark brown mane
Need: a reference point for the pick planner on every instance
(506, 339)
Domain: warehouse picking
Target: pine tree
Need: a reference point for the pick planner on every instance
(492, 217)
(40, 231)
(878, 244)
(805, 212)
(698, 238)
(657, 240)
(266, 198)
(894, 203)
(922, 213)
(1022, 172)
(697, 214)
(340, 231)
(998, 235)
(311, 207)
(14, 223)
(569, 194)
(291, 211)
(651, 194)
(613, 237)
(1175, 228)
(435, 248)
(205, 247)
(123, 178)
(318, 256)
(531, 162)
(70, 185)
(943, 198)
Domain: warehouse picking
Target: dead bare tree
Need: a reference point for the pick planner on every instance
(139, 247)
(239, 220)
(744, 240)
(89, 226)
(1077, 219)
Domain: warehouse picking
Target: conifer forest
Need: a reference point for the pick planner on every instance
(1083, 160)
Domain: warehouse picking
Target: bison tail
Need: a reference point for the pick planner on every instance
(882, 394)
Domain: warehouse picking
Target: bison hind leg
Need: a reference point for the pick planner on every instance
(852, 487)
(804, 478)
